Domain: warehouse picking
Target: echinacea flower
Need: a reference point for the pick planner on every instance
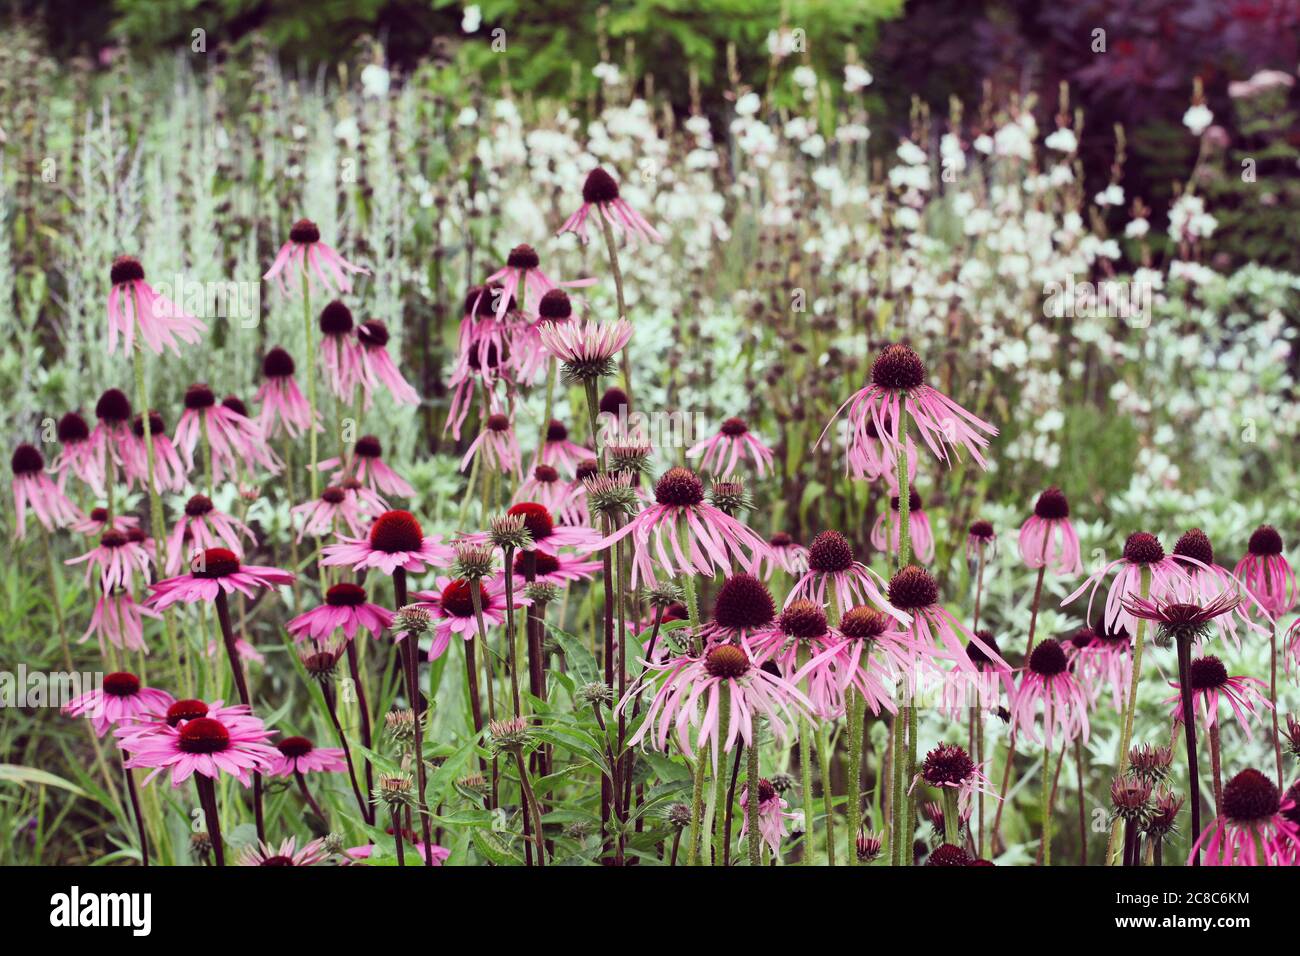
(981, 541)
(936, 634)
(118, 559)
(288, 853)
(496, 446)
(948, 854)
(586, 348)
(898, 388)
(209, 746)
(556, 569)
(522, 278)
(111, 435)
(134, 306)
(1211, 684)
(918, 528)
(119, 700)
(203, 527)
(369, 467)
(452, 606)
(345, 607)
(1046, 680)
(99, 521)
(1253, 828)
(600, 192)
(546, 535)
(211, 571)
(783, 554)
(713, 540)
(565, 500)
(235, 441)
(1266, 572)
(33, 489)
(1101, 660)
(340, 352)
(318, 263)
(169, 472)
(322, 516)
(118, 620)
(733, 442)
(742, 609)
(1179, 619)
(686, 681)
(284, 410)
(809, 653)
(77, 454)
(835, 574)
(1048, 539)
(770, 813)
(950, 767)
(396, 540)
(1205, 579)
(561, 453)
(378, 368)
(300, 755)
(1143, 555)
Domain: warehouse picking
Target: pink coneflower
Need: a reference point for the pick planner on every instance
(99, 521)
(284, 410)
(77, 453)
(522, 278)
(833, 567)
(203, 526)
(452, 605)
(112, 433)
(439, 854)
(683, 682)
(33, 489)
(1211, 684)
(1046, 680)
(1205, 580)
(235, 440)
(212, 571)
(949, 767)
(496, 445)
(287, 853)
(121, 699)
(1254, 826)
(378, 368)
(1143, 552)
(321, 517)
(369, 503)
(340, 353)
(868, 458)
(1181, 619)
(118, 558)
(808, 653)
(370, 469)
(118, 620)
(981, 541)
(300, 755)
(918, 528)
(169, 472)
(936, 634)
(559, 570)
(548, 537)
(743, 613)
(560, 453)
(771, 814)
(898, 387)
(586, 348)
(715, 541)
(563, 499)
(396, 540)
(1266, 573)
(1048, 539)
(207, 746)
(320, 265)
(1101, 660)
(1292, 655)
(871, 640)
(345, 607)
(133, 304)
(783, 554)
(733, 442)
(600, 192)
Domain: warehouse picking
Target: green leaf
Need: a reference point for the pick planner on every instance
(13, 773)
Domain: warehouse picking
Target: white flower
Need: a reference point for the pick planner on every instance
(856, 78)
(983, 144)
(472, 19)
(910, 153)
(1198, 118)
(1137, 228)
(748, 104)
(467, 116)
(1112, 195)
(374, 80)
(1063, 140)
(607, 73)
(813, 146)
(805, 76)
(348, 131)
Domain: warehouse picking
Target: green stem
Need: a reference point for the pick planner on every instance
(951, 816)
(1126, 732)
(720, 775)
(828, 797)
(751, 797)
(805, 782)
(310, 342)
(1045, 806)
